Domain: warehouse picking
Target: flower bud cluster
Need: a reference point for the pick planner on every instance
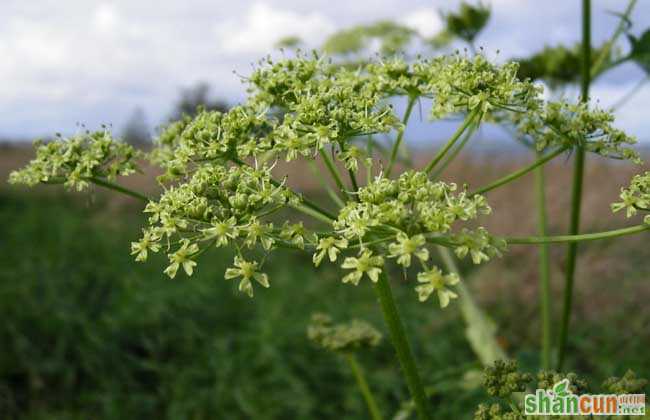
(73, 161)
(344, 337)
(212, 135)
(503, 379)
(627, 384)
(496, 412)
(563, 124)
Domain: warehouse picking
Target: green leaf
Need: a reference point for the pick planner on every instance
(640, 53)
(468, 21)
(481, 330)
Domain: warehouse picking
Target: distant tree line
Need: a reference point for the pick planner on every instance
(136, 131)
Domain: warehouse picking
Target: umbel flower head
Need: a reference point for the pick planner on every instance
(76, 160)
(218, 206)
(400, 218)
(411, 205)
(636, 197)
(458, 83)
(564, 124)
(344, 337)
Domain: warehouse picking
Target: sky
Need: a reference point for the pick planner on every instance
(94, 62)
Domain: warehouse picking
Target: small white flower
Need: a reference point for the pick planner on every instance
(434, 281)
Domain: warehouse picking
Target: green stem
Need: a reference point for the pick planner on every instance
(544, 268)
(318, 175)
(455, 152)
(332, 169)
(373, 409)
(400, 135)
(369, 151)
(115, 187)
(310, 211)
(576, 195)
(401, 345)
(609, 234)
(459, 132)
(620, 28)
(521, 172)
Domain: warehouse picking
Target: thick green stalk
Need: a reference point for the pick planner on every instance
(400, 135)
(402, 347)
(544, 268)
(353, 180)
(115, 187)
(519, 173)
(609, 234)
(576, 195)
(373, 409)
(454, 138)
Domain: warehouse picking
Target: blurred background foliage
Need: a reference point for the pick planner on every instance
(87, 333)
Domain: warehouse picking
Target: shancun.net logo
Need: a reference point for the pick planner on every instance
(561, 401)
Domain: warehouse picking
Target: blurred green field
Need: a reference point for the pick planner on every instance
(87, 333)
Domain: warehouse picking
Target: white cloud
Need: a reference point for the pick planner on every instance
(99, 63)
(426, 21)
(81, 60)
(105, 18)
(263, 26)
